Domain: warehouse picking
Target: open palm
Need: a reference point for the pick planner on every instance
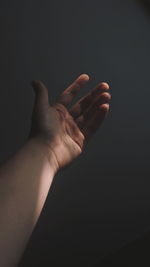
(66, 130)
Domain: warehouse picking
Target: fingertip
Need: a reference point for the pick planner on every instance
(38, 85)
(105, 86)
(86, 76)
(106, 95)
(35, 83)
(104, 107)
(82, 79)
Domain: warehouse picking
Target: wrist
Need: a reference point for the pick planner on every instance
(41, 146)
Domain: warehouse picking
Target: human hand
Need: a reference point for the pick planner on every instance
(66, 130)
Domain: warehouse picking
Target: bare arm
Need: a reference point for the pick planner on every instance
(58, 135)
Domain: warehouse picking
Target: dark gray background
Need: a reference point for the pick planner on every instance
(101, 201)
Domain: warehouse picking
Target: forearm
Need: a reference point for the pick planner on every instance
(25, 179)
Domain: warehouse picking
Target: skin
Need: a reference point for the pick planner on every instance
(58, 135)
(66, 130)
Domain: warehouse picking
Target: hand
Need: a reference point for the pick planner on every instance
(67, 130)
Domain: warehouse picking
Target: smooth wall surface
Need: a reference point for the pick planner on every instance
(101, 201)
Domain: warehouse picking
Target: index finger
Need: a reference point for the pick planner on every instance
(67, 95)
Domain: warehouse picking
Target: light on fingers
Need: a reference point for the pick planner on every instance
(67, 95)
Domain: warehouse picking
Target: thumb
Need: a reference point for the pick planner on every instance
(41, 94)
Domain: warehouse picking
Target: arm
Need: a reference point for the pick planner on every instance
(24, 183)
(58, 135)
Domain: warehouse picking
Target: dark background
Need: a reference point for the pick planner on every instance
(101, 201)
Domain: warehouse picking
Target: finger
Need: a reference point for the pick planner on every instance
(93, 125)
(78, 108)
(41, 94)
(89, 114)
(67, 95)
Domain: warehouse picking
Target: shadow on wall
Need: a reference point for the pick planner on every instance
(145, 4)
